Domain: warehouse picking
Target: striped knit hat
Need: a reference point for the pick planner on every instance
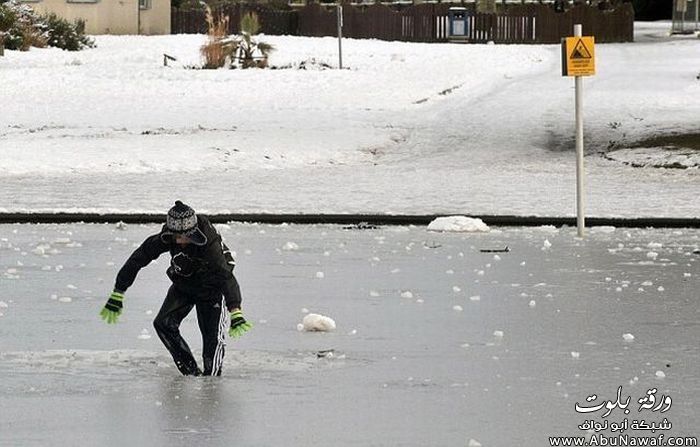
(183, 220)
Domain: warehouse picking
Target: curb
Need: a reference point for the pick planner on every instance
(353, 219)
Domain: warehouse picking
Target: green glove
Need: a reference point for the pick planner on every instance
(238, 324)
(110, 313)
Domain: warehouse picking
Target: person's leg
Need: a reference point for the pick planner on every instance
(212, 318)
(167, 324)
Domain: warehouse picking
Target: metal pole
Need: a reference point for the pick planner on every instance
(340, 36)
(580, 173)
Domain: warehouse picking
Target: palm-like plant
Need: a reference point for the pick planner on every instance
(252, 53)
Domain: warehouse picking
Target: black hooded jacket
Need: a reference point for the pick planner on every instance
(202, 271)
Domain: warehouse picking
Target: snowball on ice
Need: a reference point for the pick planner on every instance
(473, 443)
(532, 303)
(317, 323)
(457, 308)
(498, 334)
(628, 337)
(320, 275)
(407, 294)
(290, 246)
(575, 354)
(660, 374)
(459, 224)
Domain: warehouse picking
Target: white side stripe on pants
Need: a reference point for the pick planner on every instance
(221, 341)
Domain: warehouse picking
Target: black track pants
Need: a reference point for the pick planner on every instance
(212, 319)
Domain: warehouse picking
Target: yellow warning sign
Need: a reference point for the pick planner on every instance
(578, 56)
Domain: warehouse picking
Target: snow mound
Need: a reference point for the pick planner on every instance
(459, 224)
(317, 323)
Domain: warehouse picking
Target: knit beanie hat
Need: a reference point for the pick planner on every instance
(182, 220)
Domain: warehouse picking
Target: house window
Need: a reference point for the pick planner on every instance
(145, 4)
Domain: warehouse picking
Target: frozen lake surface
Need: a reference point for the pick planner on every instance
(436, 343)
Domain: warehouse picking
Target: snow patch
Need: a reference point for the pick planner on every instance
(458, 224)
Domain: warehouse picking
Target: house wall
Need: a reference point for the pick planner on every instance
(156, 19)
(110, 16)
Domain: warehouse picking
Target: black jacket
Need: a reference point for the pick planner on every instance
(202, 271)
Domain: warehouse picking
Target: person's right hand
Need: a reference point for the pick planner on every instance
(110, 313)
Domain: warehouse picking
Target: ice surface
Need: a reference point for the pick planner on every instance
(488, 373)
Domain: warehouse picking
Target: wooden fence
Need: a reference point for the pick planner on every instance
(427, 22)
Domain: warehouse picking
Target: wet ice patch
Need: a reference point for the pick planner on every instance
(317, 323)
(459, 224)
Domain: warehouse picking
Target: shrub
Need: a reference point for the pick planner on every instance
(252, 53)
(21, 28)
(215, 50)
(65, 35)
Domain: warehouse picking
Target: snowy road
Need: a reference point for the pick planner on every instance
(437, 343)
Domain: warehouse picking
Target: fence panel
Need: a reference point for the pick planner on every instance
(428, 22)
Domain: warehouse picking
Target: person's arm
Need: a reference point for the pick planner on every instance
(221, 259)
(140, 258)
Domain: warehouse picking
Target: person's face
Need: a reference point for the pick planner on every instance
(181, 239)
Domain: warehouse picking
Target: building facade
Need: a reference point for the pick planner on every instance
(149, 17)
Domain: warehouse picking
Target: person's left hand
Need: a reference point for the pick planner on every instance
(238, 324)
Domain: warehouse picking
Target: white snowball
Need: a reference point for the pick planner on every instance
(532, 303)
(628, 337)
(575, 354)
(660, 374)
(652, 255)
(547, 244)
(407, 294)
(300, 327)
(473, 443)
(498, 334)
(475, 298)
(317, 323)
(3, 305)
(320, 275)
(457, 308)
(373, 293)
(456, 289)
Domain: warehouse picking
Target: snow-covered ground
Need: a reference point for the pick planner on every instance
(408, 128)
(435, 342)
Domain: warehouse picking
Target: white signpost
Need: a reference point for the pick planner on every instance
(578, 60)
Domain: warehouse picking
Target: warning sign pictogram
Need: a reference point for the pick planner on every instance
(578, 56)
